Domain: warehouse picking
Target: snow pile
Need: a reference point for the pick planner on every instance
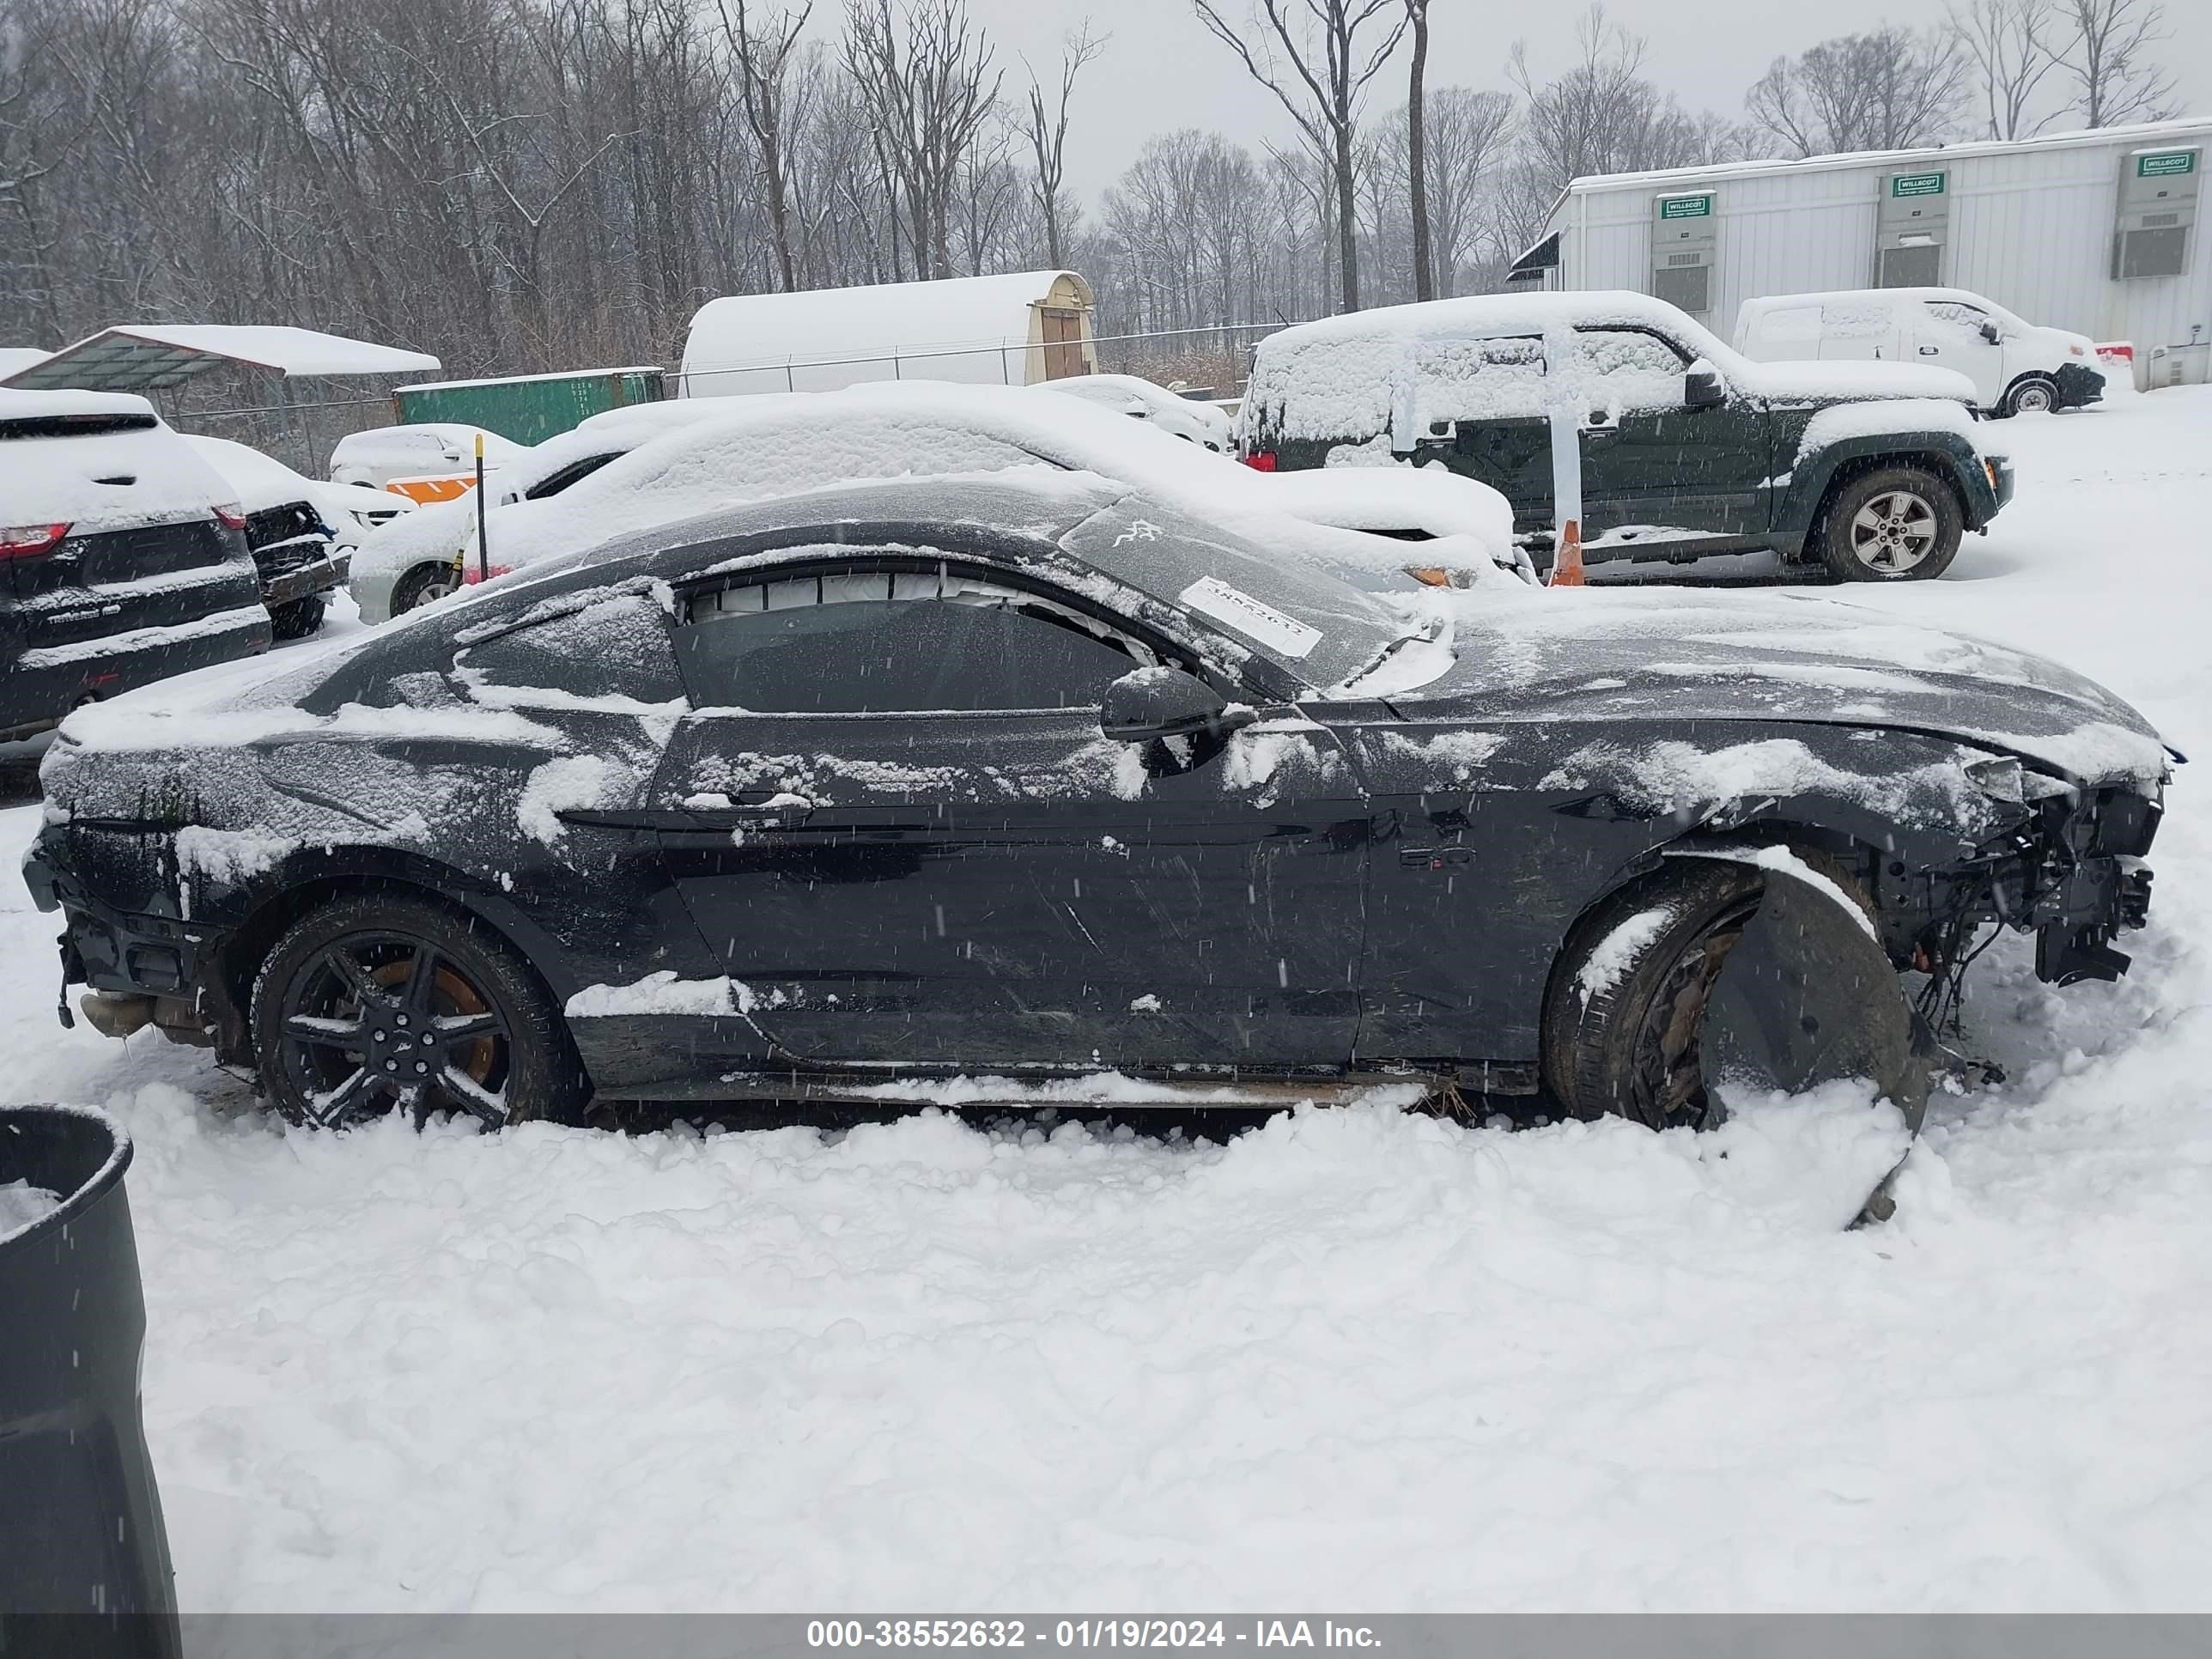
(20, 1204)
(662, 994)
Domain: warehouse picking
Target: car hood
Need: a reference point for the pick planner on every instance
(1650, 655)
(1821, 383)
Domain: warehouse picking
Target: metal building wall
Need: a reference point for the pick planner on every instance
(2031, 228)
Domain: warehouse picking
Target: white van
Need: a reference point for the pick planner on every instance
(2015, 366)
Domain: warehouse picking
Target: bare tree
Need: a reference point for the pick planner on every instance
(763, 59)
(1417, 147)
(1602, 115)
(2116, 78)
(1889, 89)
(1048, 133)
(2009, 43)
(1333, 49)
(926, 71)
(1467, 136)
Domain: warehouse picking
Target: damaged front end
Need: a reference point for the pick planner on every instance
(2069, 869)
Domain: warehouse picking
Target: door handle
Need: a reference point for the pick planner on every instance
(1931, 351)
(1601, 434)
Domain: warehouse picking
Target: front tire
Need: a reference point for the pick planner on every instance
(2032, 394)
(372, 1002)
(298, 619)
(1895, 524)
(421, 585)
(1624, 1017)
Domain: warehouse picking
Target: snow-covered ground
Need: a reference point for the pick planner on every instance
(1357, 1359)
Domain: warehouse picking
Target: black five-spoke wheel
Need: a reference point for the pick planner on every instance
(368, 1005)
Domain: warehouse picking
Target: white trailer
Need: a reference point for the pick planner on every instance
(1015, 330)
(2097, 232)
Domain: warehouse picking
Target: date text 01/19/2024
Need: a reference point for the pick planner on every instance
(1088, 1633)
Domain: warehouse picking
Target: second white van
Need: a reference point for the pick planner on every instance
(2016, 366)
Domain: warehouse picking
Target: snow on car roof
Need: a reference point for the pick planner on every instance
(20, 406)
(101, 480)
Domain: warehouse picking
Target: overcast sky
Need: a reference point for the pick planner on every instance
(1162, 70)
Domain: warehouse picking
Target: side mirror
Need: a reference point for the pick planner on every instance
(1989, 332)
(1703, 387)
(1166, 703)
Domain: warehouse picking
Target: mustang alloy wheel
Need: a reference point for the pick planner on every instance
(372, 1004)
(1895, 524)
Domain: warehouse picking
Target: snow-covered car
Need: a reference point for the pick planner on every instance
(289, 529)
(1040, 776)
(750, 448)
(123, 555)
(2016, 366)
(1872, 470)
(431, 556)
(425, 450)
(1188, 418)
(349, 510)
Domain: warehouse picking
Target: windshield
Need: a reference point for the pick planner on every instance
(1295, 616)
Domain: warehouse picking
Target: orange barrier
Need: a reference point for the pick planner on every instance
(424, 491)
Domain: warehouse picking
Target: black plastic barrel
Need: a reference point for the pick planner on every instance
(84, 1561)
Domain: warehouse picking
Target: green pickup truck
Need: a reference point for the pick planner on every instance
(1872, 470)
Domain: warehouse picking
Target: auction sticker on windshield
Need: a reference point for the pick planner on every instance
(1212, 597)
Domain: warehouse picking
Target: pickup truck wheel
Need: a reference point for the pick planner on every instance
(1894, 524)
(420, 585)
(298, 619)
(2032, 394)
(375, 1002)
(1625, 1013)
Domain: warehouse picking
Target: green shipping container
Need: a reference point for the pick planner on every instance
(530, 408)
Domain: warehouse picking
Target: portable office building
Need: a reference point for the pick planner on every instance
(1014, 330)
(2099, 231)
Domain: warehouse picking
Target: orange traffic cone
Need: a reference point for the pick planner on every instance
(1567, 557)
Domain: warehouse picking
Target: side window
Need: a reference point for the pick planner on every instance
(616, 648)
(1627, 369)
(575, 472)
(894, 642)
(1476, 380)
(1788, 326)
(1953, 317)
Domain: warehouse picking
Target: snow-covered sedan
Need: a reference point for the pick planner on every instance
(428, 449)
(569, 494)
(123, 555)
(1038, 776)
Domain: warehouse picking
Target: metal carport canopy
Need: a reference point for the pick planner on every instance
(149, 357)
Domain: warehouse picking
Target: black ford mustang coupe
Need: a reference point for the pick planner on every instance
(1036, 777)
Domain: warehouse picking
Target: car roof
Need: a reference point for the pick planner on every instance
(1960, 295)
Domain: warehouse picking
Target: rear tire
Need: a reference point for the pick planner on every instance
(297, 619)
(375, 1002)
(2032, 394)
(421, 586)
(1894, 524)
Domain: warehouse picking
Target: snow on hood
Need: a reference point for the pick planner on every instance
(1680, 655)
(755, 448)
(100, 481)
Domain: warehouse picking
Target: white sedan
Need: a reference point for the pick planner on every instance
(436, 449)
(1376, 526)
